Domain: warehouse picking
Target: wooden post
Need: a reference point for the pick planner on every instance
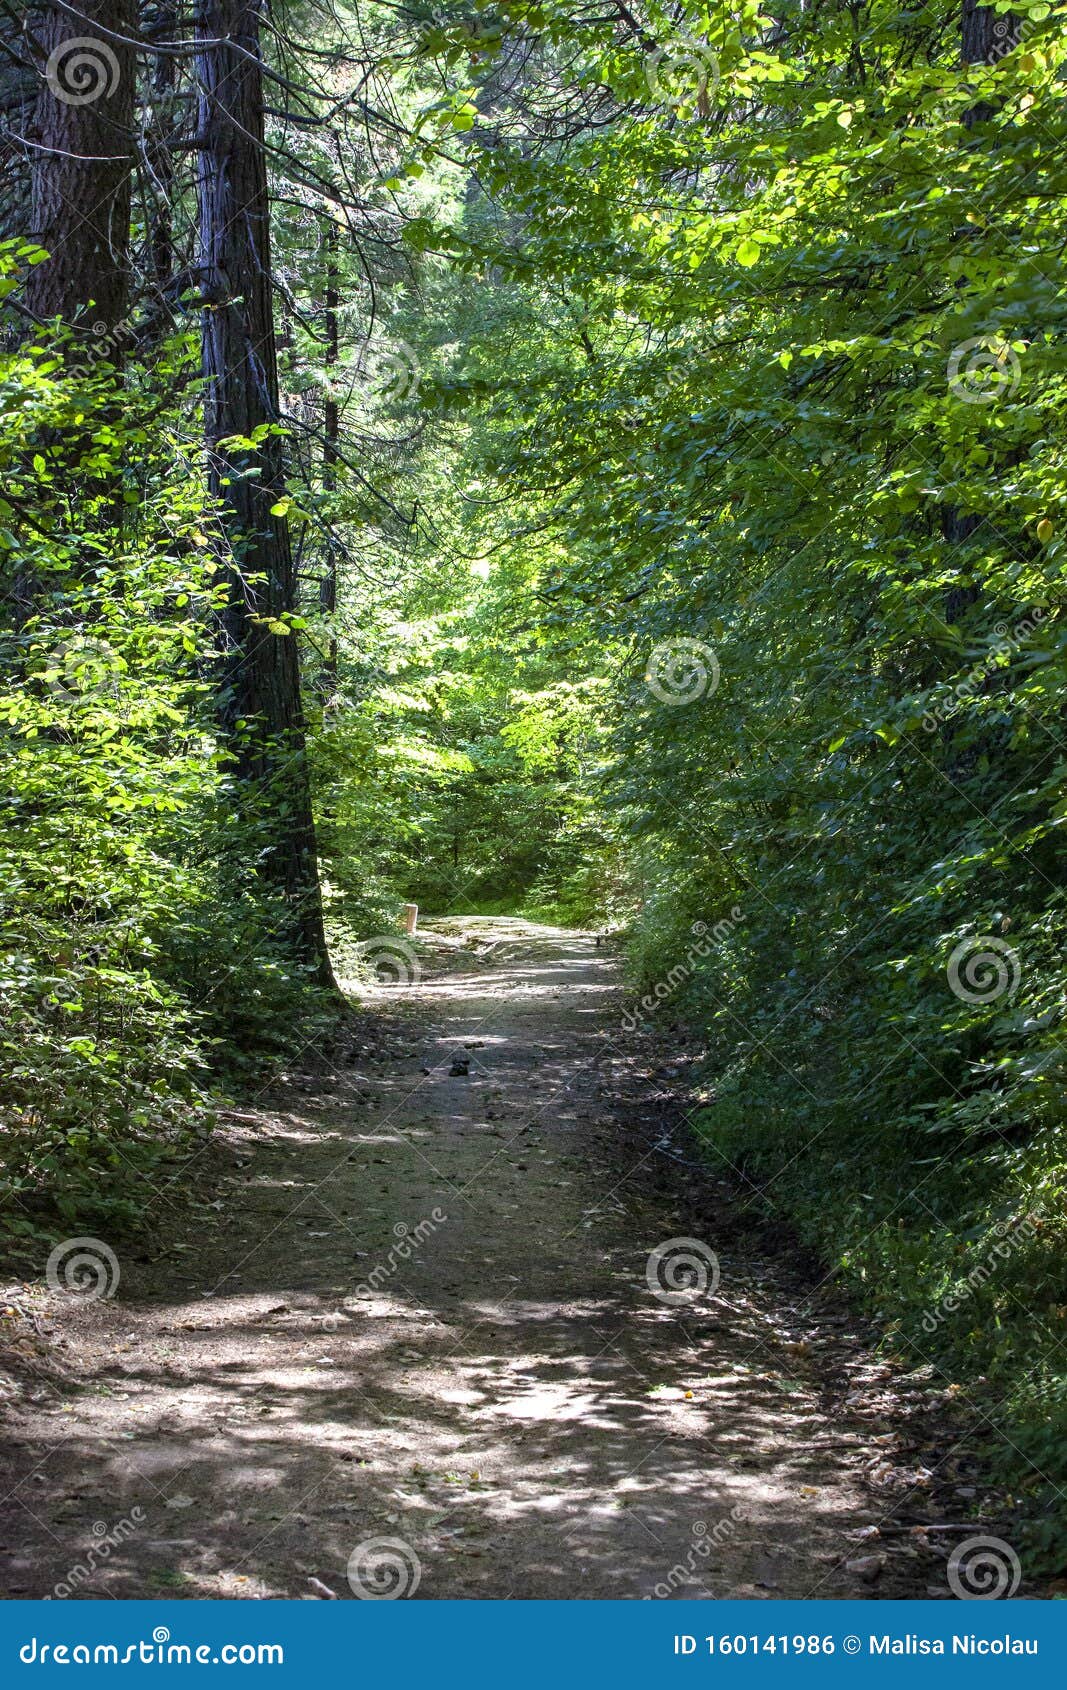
(411, 917)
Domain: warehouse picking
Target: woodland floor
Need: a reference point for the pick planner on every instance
(511, 1401)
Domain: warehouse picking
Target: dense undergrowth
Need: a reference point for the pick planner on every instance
(783, 389)
(139, 966)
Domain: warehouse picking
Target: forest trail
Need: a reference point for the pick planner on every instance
(332, 1362)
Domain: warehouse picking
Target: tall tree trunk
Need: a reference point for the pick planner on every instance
(331, 436)
(83, 163)
(260, 703)
(19, 85)
(161, 21)
(985, 35)
(80, 200)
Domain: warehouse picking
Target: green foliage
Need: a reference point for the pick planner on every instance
(136, 951)
(100, 775)
(449, 785)
(696, 504)
(788, 393)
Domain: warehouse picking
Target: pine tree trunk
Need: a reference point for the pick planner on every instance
(985, 33)
(260, 702)
(80, 201)
(985, 36)
(83, 163)
(331, 436)
(161, 22)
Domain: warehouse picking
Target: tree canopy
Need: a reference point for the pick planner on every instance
(605, 467)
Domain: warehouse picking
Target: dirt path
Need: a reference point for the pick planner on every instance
(422, 1313)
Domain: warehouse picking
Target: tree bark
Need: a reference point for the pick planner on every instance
(161, 20)
(260, 702)
(985, 34)
(83, 165)
(331, 436)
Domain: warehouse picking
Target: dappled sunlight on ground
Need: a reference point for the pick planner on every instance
(422, 1312)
